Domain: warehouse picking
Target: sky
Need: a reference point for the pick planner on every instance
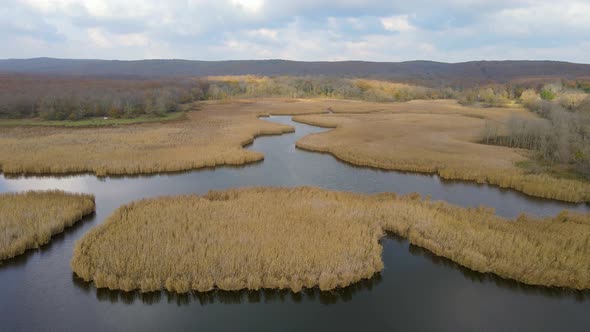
(306, 30)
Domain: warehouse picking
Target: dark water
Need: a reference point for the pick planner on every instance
(416, 290)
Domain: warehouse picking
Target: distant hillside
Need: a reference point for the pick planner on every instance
(414, 71)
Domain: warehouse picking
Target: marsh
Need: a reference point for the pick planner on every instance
(413, 280)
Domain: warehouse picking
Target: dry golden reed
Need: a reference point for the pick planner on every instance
(28, 220)
(436, 137)
(212, 136)
(305, 237)
(207, 138)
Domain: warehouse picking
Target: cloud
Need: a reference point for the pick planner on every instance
(397, 23)
(251, 6)
(452, 30)
(98, 38)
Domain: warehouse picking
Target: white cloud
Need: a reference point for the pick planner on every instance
(265, 33)
(133, 39)
(399, 23)
(98, 38)
(427, 47)
(252, 6)
(452, 30)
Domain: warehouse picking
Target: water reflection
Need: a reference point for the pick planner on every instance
(103, 178)
(340, 295)
(70, 183)
(490, 278)
(230, 297)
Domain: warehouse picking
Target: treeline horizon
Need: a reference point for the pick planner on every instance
(53, 97)
(77, 98)
(418, 72)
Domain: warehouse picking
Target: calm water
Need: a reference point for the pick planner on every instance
(415, 291)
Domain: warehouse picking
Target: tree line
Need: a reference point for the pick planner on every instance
(72, 98)
(227, 87)
(561, 136)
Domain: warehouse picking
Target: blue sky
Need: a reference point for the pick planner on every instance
(450, 31)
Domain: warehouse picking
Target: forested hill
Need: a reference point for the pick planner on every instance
(418, 71)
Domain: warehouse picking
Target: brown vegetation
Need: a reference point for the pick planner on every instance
(76, 98)
(305, 237)
(228, 87)
(28, 220)
(211, 137)
(436, 137)
(424, 136)
(561, 139)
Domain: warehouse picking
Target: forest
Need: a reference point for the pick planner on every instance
(76, 98)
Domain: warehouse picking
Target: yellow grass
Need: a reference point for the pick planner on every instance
(424, 136)
(435, 137)
(305, 237)
(28, 220)
(210, 137)
(213, 136)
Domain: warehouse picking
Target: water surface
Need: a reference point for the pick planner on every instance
(415, 291)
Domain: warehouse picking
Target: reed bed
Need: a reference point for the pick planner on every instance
(294, 238)
(444, 141)
(206, 138)
(212, 136)
(28, 220)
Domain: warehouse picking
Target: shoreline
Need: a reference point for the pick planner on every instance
(521, 182)
(471, 237)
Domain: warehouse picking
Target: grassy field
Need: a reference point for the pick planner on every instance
(436, 137)
(210, 137)
(28, 220)
(305, 237)
(90, 122)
